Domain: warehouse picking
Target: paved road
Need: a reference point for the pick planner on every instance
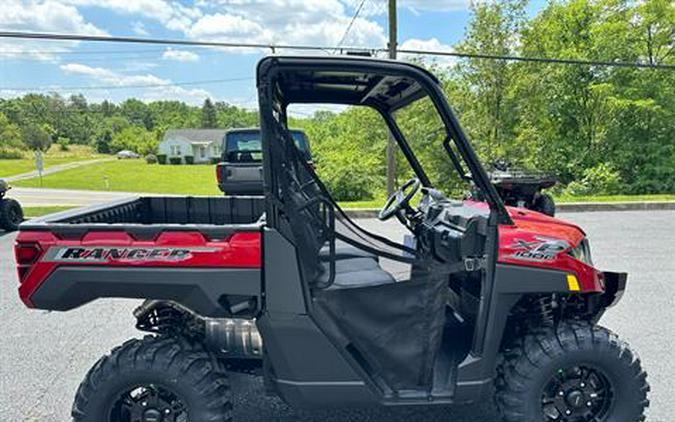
(43, 356)
(55, 169)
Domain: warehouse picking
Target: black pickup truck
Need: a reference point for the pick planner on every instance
(239, 171)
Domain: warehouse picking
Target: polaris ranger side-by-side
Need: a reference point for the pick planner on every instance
(485, 300)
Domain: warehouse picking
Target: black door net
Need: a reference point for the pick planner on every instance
(392, 325)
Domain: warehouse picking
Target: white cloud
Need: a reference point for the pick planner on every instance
(305, 22)
(139, 28)
(173, 15)
(180, 55)
(379, 7)
(48, 16)
(145, 87)
(436, 5)
(431, 44)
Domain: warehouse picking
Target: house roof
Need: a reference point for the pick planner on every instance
(196, 136)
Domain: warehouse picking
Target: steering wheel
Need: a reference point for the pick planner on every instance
(400, 199)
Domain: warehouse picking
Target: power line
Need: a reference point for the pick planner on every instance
(351, 23)
(107, 87)
(273, 47)
(539, 59)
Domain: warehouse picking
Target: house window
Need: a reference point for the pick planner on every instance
(175, 150)
(202, 151)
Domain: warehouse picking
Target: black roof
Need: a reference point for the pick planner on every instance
(385, 84)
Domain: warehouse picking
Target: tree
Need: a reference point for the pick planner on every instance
(136, 139)
(36, 138)
(209, 116)
(487, 94)
(10, 134)
(103, 142)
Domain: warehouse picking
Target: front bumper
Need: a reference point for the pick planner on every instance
(615, 285)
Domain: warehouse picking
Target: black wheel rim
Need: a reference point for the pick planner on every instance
(149, 403)
(577, 394)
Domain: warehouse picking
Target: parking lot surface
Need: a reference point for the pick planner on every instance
(43, 356)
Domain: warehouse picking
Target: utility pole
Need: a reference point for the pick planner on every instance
(391, 145)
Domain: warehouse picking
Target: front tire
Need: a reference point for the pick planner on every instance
(576, 372)
(155, 379)
(545, 204)
(11, 214)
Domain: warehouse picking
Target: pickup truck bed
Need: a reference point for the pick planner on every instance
(202, 251)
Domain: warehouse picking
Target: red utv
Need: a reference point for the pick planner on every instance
(486, 300)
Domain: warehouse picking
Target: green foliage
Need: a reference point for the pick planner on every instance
(63, 144)
(175, 160)
(10, 154)
(161, 158)
(599, 180)
(136, 139)
(10, 139)
(103, 142)
(599, 129)
(189, 159)
(151, 159)
(36, 138)
(209, 116)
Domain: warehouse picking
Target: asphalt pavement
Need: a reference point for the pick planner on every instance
(43, 356)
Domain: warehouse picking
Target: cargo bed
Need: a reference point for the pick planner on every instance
(148, 216)
(204, 252)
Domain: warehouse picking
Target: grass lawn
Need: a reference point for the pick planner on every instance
(133, 176)
(29, 212)
(51, 158)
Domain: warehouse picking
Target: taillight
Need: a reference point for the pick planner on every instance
(218, 176)
(26, 255)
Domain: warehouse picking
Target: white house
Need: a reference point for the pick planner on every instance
(202, 144)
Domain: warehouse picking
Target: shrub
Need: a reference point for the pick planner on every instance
(151, 159)
(63, 143)
(10, 154)
(175, 160)
(602, 179)
(189, 159)
(161, 158)
(347, 177)
(215, 160)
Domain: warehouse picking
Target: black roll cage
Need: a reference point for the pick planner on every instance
(270, 68)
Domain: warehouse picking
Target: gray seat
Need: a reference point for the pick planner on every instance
(352, 273)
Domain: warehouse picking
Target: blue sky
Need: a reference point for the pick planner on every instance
(128, 70)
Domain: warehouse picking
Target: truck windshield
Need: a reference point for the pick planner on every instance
(246, 146)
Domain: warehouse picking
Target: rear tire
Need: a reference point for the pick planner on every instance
(150, 378)
(545, 204)
(11, 214)
(617, 392)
